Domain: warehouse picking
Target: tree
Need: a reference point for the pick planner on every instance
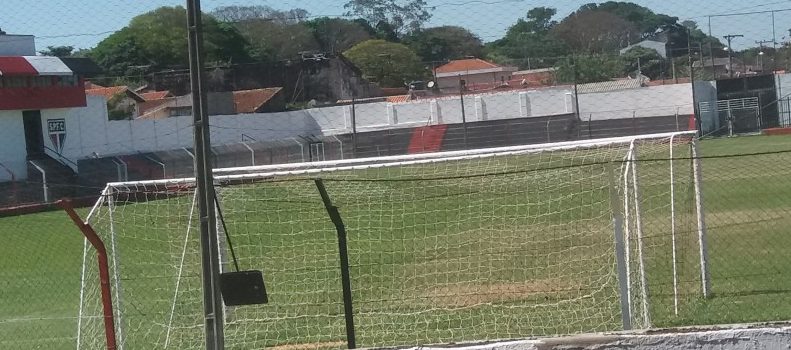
(389, 64)
(697, 36)
(643, 60)
(337, 34)
(157, 39)
(646, 21)
(594, 31)
(278, 41)
(589, 68)
(530, 37)
(272, 34)
(538, 21)
(446, 42)
(235, 14)
(402, 16)
(58, 51)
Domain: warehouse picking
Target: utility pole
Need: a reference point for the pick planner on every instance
(762, 53)
(730, 37)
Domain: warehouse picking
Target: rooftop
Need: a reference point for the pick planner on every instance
(111, 91)
(249, 101)
(465, 65)
(155, 95)
(469, 66)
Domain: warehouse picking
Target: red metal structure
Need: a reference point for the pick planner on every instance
(104, 271)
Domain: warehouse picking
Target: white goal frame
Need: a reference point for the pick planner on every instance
(631, 194)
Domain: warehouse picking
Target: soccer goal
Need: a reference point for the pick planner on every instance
(504, 243)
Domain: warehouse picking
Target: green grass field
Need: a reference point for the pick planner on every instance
(520, 253)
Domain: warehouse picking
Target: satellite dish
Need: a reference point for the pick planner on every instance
(430, 84)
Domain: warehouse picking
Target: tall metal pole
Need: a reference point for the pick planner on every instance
(774, 34)
(711, 53)
(354, 127)
(761, 53)
(730, 37)
(212, 299)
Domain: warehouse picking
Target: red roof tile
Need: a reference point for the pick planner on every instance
(249, 101)
(465, 65)
(155, 95)
(398, 99)
(106, 92)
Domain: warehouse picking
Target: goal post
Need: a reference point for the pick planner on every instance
(477, 245)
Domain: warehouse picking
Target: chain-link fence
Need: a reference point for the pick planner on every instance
(318, 84)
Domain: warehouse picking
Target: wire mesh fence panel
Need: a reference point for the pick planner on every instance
(476, 244)
(39, 283)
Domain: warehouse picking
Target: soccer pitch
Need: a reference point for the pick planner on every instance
(411, 288)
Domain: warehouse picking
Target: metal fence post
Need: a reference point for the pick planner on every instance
(343, 252)
(617, 222)
(701, 221)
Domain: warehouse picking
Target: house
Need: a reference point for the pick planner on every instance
(472, 73)
(122, 102)
(219, 103)
(535, 77)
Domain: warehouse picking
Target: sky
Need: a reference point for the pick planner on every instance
(83, 23)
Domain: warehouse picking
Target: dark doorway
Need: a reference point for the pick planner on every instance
(34, 135)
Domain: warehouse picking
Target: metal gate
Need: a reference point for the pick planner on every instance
(735, 116)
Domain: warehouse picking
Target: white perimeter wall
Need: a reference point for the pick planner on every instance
(90, 134)
(650, 101)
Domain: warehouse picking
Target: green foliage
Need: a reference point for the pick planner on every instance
(157, 39)
(118, 108)
(400, 16)
(645, 20)
(58, 51)
(595, 31)
(646, 61)
(444, 43)
(278, 41)
(529, 37)
(272, 34)
(118, 52)
(389, 64)
(589, 69)
(337, 34)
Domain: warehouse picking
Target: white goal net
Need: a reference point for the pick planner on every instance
(476, 245)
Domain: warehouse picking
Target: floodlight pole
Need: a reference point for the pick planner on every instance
(212, 299)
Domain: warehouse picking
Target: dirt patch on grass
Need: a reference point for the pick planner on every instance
(310, 346)
(464, 295)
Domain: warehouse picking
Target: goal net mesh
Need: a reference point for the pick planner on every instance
(445, 248)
